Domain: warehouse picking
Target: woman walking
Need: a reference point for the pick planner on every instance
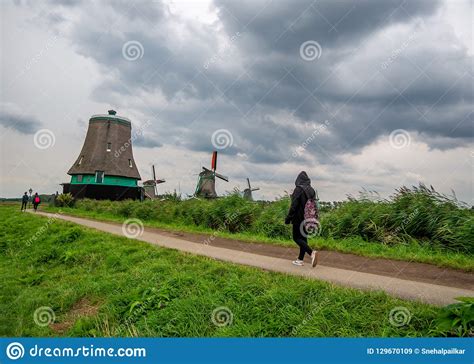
(36, 201)
(296, 216)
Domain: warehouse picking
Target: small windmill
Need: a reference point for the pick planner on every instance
(206, 186)
(248, 191)
(150, 186)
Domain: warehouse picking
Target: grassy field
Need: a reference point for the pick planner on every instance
(97, 284)
(416, 224)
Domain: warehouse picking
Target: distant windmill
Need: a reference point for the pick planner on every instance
(150, 186)
(206, 186)
(248, 191)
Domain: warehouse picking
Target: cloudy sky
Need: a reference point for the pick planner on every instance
(370, 94)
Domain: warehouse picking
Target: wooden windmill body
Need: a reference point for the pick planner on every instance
(248, 191)
(206, 186)
(105, 167)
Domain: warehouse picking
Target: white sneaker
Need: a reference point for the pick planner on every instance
(298, 262)
(314, 258)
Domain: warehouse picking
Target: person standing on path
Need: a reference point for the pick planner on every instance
(296, 216)
(24, 201)
(36, 201)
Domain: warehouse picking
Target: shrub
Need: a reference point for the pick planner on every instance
(65, 200)
(457, 319)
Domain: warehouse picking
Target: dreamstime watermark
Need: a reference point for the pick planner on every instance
(133, 50)
(317, 307)
(15, 351)
(43, 228)
(399, 316)
(407, 220)
(309, 228)
(310, 50)
(222, 316)
(36, 58)
(43, 316)
(222, 139)
(132, 228)
(135, 314)
(229, 220)
(222, 52)
(399, 138)
(398, 51)
(318, 129)
(136, 134)
(44, 139)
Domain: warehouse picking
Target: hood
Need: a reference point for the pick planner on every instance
(302, 179)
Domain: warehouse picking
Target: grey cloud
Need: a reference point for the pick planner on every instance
(282, 26)
(147, 141)
(266, 75)
(25, 124)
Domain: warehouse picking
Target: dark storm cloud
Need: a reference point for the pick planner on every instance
(282, 26)
(66, 2)
(25, 124)
(365, 84)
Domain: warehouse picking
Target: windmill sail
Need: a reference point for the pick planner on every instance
(214, 161)
(150, 186)
(248, 191)
(206, 186)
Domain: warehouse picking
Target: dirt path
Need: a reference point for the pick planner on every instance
(407, 280)
(392, 268)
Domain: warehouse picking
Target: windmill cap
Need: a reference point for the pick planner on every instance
(111, 116)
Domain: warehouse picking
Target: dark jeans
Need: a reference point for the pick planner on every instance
(35, 206)
(302, 241)
(23, 205)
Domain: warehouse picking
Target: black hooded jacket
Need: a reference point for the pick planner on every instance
(299, 198)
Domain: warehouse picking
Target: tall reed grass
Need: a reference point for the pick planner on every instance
(411, 214)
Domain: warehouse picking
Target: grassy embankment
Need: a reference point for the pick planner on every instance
(98, 284)
(415, 224)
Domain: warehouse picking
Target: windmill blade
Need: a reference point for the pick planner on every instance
(147, 195)
(158, 181)
(154, 179)
(255, 189)
(225, 178)
(214, 161)
(248, 182)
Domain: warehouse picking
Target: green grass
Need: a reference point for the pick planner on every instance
(142, 290)
(413, 250)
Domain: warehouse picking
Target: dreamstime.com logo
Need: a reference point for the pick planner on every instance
(222, 316)
(133, 50)
(222, 138)
(309, 228)
(132, 228)
(44, 139)
(399, 316)
(399, 138)
(44, 316)
(310, 50)
(15, 351)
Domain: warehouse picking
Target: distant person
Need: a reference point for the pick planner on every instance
(24, 201)
(36, 201)
(296, 216)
